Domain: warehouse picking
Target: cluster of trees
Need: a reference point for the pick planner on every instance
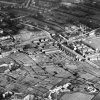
(9, 26)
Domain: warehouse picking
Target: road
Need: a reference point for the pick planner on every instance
(5, 2)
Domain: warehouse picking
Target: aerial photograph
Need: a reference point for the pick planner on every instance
(49, 49)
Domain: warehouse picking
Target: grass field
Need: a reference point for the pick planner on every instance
(77, 96)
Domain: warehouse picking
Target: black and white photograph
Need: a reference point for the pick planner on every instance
(49, 49)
